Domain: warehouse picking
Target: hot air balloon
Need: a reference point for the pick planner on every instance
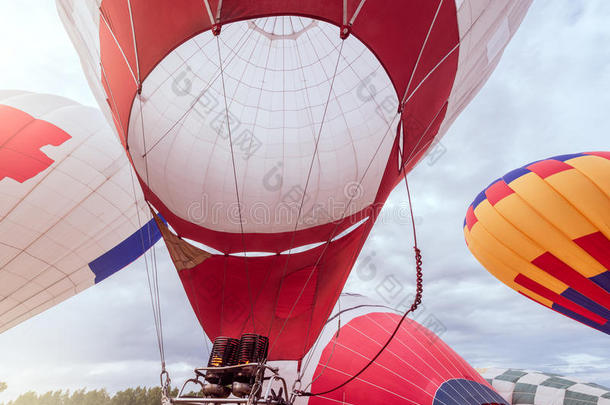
(68, 213)
(416, 368)
(544, 230)
(270, 133)
(537, 388)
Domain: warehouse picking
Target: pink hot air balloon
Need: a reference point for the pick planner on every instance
(417, 367)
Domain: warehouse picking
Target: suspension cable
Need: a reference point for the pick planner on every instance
(304, 194)
(152, 272)
(239, 205)
(416, 302)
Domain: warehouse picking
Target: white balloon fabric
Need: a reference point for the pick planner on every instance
(278, 72)
(522, 387)
(68, 212)
(274, 131)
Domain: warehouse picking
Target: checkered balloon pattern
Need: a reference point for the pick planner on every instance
(522, 387)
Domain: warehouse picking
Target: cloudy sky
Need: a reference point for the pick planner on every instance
(550, 95)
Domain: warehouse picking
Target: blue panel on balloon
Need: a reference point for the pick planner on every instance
(125, 252)
(465, 392)
(563, 310)
(586, 303)
(515, 174)
(563, 158)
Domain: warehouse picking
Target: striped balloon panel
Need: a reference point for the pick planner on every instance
(544, 230)
(415, 368)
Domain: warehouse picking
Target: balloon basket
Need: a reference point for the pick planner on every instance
(259, 389)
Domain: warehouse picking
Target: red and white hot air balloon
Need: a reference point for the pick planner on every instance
(68, 212)
(269, 133)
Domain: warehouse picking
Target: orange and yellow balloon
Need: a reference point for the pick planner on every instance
(544, 230)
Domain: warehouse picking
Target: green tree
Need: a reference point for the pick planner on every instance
(130, 396)
(29, 398)
(82, 397)
(52, 398)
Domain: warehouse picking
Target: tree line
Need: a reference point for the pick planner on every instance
(130, 396)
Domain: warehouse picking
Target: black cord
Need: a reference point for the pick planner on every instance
(416, 302)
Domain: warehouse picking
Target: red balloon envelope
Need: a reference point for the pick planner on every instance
(273, 131)
(417, 367)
